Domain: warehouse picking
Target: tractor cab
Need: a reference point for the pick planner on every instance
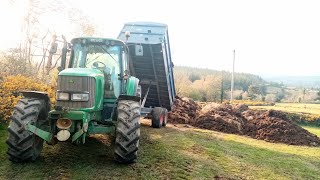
(106, 55)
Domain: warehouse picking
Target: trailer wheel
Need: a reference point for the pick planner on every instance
(165, 117)
(157, 117)
(127, 131)
(23, 145)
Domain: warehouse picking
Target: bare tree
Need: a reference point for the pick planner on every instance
(84, 26)
(34, 47)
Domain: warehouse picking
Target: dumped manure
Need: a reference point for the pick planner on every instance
(268, 125)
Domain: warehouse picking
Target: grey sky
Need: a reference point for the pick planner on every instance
(274, 37)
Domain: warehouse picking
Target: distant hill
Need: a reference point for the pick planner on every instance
(213, 85)
(296, 81)
(241, 80)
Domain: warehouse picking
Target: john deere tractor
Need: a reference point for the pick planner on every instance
(95, 94)
(98, 94)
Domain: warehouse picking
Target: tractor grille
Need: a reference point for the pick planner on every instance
(76, 84)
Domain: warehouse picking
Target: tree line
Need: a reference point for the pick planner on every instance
(212, 85)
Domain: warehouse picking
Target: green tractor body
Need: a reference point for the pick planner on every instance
(97, 94)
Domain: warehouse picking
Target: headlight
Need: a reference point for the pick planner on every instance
(62, 96)
(80, 97)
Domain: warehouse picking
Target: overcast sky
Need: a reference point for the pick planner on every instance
(271, 37)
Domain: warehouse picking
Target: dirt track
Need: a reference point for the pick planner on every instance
(272, 126)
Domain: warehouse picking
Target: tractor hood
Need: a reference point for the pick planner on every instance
(82, 80)
(82, 72)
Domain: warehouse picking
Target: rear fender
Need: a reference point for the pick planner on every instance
(132, 90)
(132, 87)
(40, 95)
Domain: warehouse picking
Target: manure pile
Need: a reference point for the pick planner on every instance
(268, 125)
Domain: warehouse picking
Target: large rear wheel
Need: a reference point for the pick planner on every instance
(127, 131)
(157, 117)
(23, 145)
(165, 117)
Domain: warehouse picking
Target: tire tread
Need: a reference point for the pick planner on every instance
(128, 131)
(21, 142)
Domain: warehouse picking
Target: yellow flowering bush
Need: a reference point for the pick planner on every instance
(9, 90)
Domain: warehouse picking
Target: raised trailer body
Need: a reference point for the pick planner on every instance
(150, 61)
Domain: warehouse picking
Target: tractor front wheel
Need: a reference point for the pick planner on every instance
(23, 145)
(127, 131)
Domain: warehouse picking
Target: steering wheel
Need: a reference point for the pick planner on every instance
(96, 64)
(104, 69)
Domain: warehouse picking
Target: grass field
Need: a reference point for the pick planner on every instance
(312, 129)
(310, 112)
(171, 153)
(293, 107)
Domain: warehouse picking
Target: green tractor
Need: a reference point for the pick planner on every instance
(98, 92)
(95, 94)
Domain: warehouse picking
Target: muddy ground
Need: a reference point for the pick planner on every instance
(268, 125)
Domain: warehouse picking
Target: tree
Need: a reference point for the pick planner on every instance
(245, 95)
(82, 23)
(271, 98)
(37, 34)
(239, 97)
(253, 91)
(193, 77)
(318, 94)
(11, 63)
(304, 92)
(280, 95)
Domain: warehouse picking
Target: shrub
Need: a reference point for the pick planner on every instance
(9, 92)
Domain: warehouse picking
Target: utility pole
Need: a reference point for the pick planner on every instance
(232, 76)
(221, 93)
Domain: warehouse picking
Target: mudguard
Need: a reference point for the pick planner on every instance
(40, 95)
(132, 86)
(132, 90)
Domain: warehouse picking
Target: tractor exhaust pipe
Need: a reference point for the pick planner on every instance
(64, 54)
(64, 123)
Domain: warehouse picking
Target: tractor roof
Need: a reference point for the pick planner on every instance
(96, 39)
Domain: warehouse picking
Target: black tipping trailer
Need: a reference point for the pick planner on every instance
(150, 61)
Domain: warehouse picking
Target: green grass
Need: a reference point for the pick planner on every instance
(171, 153)
(309, 112)
(313, 129)
(293, 107)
